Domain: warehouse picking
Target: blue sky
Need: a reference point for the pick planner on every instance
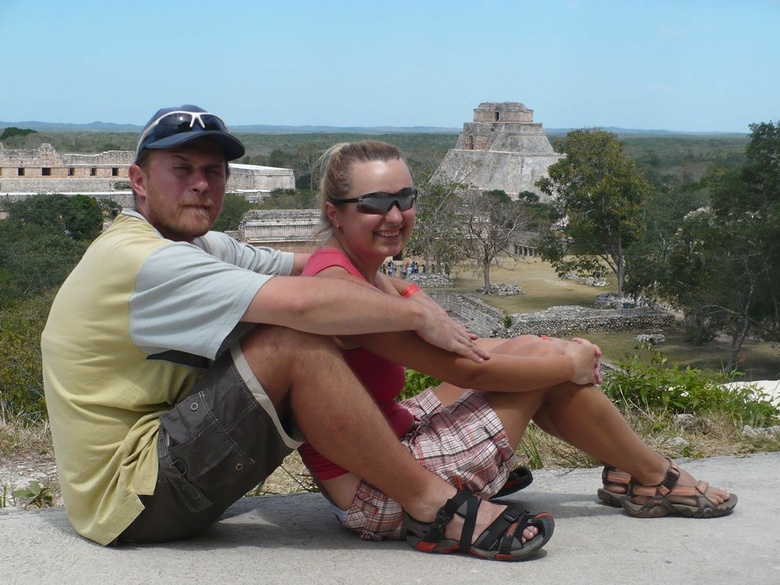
(688, 65)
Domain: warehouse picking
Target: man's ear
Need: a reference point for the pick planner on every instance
(137, 178)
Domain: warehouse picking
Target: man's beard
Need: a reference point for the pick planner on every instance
(187, 224)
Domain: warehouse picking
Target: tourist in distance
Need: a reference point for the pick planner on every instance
(180, 367)
(469, 437)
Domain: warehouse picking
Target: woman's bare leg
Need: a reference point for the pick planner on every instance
(305, 375)
(581, 415)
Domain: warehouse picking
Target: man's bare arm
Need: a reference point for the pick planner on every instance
(336, 306)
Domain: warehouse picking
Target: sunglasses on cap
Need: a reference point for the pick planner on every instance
(180, 121)
(380, 202)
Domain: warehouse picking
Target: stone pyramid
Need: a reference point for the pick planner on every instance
(501, 149)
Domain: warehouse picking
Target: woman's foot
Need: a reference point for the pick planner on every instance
(678, 492)
(467, 523)
(488, 512)
(614, 486)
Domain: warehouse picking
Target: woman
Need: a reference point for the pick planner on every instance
(469, 437)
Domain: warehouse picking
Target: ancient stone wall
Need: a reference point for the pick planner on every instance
(277, 226)
(470, 311)
(259, 179)
(564, 321)
(43, 170)
(487, 321)
(526, 139)
(510, 172)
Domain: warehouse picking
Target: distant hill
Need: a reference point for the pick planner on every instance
(267, 129)
(637, 132)
(373, 130)
(248, 129)
(64, 127)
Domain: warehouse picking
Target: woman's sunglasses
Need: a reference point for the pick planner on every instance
(180, 121)
(380, 202)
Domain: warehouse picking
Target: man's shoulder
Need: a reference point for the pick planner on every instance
(129, 220)
(127, 242)
(130, 227)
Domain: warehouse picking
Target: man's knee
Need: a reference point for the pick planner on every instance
(281, 341)
(276, 354)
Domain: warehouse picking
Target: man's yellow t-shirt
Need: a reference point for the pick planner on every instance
(130, 331)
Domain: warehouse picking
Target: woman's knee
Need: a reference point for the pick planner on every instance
(530, 345)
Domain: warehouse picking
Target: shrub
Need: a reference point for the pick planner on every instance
(416, 382)
(668, 387)
(21, 325)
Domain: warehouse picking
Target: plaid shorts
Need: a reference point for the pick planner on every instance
(463, 441)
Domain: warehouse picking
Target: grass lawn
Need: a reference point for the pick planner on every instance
(544, 289)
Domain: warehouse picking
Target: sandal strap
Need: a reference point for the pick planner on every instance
(445, 514)
(469, 521)
(613, 475)
(672, 477)
(501, 533)
(664, 488)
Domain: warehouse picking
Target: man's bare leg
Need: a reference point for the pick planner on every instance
(306, 375)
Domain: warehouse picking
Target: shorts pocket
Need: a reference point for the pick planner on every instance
(200, 448)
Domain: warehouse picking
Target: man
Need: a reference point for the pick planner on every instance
(168, 401)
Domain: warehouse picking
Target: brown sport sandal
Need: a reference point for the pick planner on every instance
(613, 476)
(659, 504)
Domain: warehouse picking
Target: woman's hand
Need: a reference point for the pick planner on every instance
(440, 330)
(585, 357)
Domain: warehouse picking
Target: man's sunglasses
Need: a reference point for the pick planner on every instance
(380, 203)
(180, 121)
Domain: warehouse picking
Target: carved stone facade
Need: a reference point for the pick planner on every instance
(501, 149)
(293, 230)
(43, 170)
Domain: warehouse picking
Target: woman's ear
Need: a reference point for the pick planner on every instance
(332, 213)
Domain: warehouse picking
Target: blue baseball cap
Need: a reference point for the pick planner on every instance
(175, 126)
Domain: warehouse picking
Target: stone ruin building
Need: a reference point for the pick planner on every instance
(501, 149)
(44, 170)
(293, 230)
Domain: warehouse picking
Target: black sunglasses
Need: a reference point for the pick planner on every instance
(381, 202)
(181, 121)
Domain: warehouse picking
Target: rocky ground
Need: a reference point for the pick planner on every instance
(18, 471)
(31, 459)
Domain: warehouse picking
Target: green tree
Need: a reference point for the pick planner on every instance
(436, 236)
(14, 131)
(308, 155)
(663, 213)
(290, 199)
(597, 195)
(78, 216)
(233, 209)
(491, 220)
(41, 241)
(746, 207)
(722, 264)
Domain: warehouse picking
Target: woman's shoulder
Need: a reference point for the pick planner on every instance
(323, 258)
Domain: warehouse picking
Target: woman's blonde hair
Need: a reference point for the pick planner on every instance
(336, 168)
